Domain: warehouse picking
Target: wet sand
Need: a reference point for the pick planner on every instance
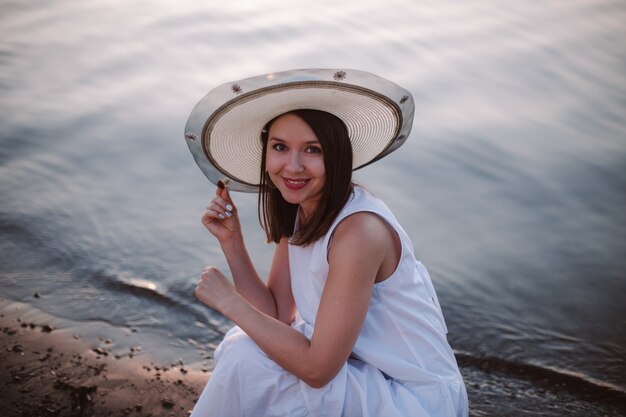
(51, 372)
(57, 367)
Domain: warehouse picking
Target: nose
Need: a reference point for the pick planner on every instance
(295, 163)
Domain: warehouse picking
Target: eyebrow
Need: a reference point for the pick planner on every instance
(311, 142)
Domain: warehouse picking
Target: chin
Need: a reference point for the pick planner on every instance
(291, 199)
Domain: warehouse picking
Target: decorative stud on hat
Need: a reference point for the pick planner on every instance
(223, 131)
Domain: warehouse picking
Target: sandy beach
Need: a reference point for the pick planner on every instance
(47, 371)
(59, 367)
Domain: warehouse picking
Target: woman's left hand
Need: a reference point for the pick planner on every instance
(215, 290)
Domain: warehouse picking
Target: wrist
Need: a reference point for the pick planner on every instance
(229, 306)
(234, 242)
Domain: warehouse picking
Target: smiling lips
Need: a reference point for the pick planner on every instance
(295, 183)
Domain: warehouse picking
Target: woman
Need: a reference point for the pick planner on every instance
(347, 322)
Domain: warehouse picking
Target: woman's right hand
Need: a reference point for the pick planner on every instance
(220, 217)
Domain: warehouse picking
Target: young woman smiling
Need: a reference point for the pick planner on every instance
(347, 322)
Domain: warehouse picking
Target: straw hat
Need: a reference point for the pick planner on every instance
(224, 129)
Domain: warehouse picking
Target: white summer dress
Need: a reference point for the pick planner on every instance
(401, 364)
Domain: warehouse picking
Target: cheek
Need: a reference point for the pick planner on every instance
(271, 164)
(318, 168)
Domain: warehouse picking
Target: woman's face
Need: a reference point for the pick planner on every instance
(295, 162)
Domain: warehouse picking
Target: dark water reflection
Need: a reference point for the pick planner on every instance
(512, 185)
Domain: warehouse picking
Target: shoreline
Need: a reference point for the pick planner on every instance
(58, 367)
(48, 370)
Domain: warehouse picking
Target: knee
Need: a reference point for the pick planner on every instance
(238, 348)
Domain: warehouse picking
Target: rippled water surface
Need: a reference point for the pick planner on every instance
(512, 184)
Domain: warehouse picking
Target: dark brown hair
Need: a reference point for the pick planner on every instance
(277, 216)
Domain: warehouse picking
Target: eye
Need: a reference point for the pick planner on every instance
(314, 150)
(279, 147)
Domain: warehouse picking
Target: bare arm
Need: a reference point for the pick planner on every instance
(247, 280)
(279, 283)
(273, 299)
(341, 312)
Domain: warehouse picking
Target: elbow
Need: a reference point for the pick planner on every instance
(317, 383)
(319, 378)
(320, 367)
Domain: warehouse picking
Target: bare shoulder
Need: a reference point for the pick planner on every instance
(366, 229)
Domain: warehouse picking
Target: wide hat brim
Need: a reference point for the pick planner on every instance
(223, 131)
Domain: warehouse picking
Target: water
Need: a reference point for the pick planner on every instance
(512, 185)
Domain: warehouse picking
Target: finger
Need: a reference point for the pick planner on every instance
(210, 270)
(220, 187)
(227, 198)
(216, 206)
(214, 214)
(223, 204)
(221, 212)
(206, 220)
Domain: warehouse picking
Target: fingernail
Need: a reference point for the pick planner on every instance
(229, 207)
(221, 184)
(221, 216)
(228, 214)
